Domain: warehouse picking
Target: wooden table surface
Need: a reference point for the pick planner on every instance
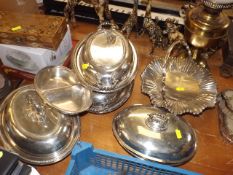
(214, 155)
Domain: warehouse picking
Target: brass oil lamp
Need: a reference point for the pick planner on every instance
(206, 25)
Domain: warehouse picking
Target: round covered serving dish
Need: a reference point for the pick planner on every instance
(39, 134)
(106, 61)
(151, 133)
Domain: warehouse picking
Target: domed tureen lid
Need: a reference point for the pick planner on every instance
(105, 60)
(151, 133)
(37, 133)
(106, 50)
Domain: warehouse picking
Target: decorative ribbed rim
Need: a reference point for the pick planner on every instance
(215, 5)
(110, 106)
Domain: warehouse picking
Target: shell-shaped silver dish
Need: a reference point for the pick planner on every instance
(179, 84)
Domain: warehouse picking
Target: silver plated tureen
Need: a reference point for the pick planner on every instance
(106, 62)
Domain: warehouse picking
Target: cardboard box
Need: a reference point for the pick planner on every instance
(14, 73)
(32, 30)
(32, 60)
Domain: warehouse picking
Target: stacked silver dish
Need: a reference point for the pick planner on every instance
(40, 122)
(37, 133)
(106, 62)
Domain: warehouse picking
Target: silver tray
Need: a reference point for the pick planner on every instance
(179, 84)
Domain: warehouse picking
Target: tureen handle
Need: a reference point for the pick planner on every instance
(157, 122)
(35, 111)
(181, 42)
(106, 24)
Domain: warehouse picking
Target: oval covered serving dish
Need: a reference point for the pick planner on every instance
(106, 61)
(151, 133)
(39, 134)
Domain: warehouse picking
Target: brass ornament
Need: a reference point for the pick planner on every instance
(69, 11)
(206, 28)
(131, 21)
(152, 28)
(172, 31)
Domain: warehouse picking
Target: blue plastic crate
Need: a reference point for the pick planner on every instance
(85, 160)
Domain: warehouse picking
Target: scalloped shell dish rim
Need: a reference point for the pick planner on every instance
(153, 85)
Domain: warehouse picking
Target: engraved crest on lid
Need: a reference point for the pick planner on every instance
(157, 122)
(35, 111)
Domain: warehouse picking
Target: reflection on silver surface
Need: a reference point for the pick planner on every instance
(38, 134)
(106, 52)
(173, 144)
(59, 88)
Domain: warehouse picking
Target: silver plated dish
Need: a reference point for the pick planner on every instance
(39, 134)
(179, 84)
(153, 134)
(59, 88)
(105, 61)
(108, 102)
